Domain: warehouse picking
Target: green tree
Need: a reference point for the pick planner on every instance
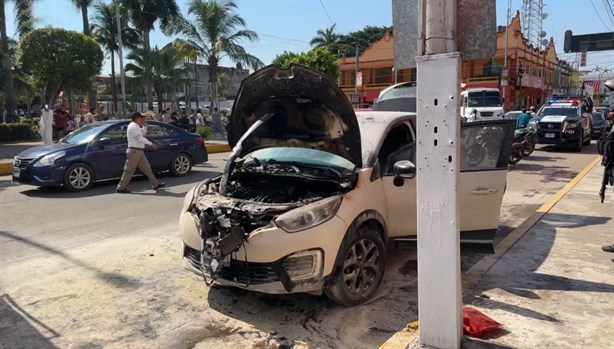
(166, 73)
(60, 60)
(325, 38)
(104, 31)
(83, 5)
(25, 22)
(320, 59)
(144, 14)
(215, 34)
(346, 45)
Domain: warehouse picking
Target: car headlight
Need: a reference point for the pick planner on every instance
(309, 215)
(50, 159)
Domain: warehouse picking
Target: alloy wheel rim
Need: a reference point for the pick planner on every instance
(80, 177)
(361, 267)
(182, 164)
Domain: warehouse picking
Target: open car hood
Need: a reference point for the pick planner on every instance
(309, 111)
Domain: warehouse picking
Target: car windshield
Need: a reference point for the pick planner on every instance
(84, 134)
(484, 99)
(558, 111)
(597, 116)
(302, 156)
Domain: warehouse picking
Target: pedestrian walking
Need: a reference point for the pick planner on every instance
(166, 117)
(135, 155)
(60, 123)
(71, 124)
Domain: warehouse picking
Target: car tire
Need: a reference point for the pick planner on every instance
(181, 165)
(78, 177)
(361, 266)
(587, 141)
(578, 146)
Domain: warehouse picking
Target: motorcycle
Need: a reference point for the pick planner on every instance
(517, 153)
(528, 138)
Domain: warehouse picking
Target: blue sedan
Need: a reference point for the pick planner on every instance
(98, 152)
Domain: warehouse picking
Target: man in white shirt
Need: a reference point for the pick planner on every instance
(135, 155)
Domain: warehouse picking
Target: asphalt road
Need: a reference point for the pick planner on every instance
(100, 269)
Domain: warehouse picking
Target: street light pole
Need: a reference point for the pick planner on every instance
(120, 50)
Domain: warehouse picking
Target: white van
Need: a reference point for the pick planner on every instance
(481, 104)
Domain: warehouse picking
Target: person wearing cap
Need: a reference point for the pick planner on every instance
(135, 155)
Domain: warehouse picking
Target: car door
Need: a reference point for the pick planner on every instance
(398, 145)
(108, 151)
(485, 148)
(160, 158)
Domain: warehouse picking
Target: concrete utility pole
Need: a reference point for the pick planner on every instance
(120, 50)
(356, 75)
(505, 67)
(438, 158)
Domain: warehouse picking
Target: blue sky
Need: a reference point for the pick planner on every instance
(290, 24)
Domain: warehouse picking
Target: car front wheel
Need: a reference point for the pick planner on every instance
(361, 267)
(181, 165)
(78, 177)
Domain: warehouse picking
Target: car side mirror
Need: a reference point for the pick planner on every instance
(403, 169)
(104, 141)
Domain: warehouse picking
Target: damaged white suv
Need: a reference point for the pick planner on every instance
(313, 192)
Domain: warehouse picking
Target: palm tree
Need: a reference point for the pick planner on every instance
(166, 73)
(104, 31)
(144, 14)
(325, 38)
(25, 23)
(216, 34)
(83, 6)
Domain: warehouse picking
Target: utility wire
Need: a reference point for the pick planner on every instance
(327, 15)
(598, 15)
(608, 8)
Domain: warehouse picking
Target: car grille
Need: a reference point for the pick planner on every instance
(487, 113)
(238, 271)
(550, 126)
(21, 163)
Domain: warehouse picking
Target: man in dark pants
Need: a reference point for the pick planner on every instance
(135, 155)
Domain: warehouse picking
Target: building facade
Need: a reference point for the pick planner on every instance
(532, 74)
(201, 87)
(376, 64)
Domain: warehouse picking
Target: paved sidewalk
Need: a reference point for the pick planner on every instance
(555, 287)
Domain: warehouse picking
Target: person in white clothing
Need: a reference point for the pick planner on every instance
(135, 155)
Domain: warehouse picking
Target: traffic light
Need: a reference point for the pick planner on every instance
(567, 42)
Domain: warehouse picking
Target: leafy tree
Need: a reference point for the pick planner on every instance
(104, 31)
(144, 14)
(320, 59)
(216, 34)
(83, 5)
(25, 22)
(325, 38)
(346, 45)
(166, 73)
(60, 60)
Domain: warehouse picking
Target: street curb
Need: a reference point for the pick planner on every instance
(401, 339)
(6, 167)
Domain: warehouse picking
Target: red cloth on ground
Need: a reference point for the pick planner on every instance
(476, 324)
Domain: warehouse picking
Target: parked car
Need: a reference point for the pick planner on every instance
(600, 124)
(313, 191)
(98, 152)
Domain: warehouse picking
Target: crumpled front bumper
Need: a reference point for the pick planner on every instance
(259, 264)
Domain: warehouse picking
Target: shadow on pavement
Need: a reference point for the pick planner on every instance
(139, 185)
(115, 279)
(321, 323)
(19, 329)
(517, 272)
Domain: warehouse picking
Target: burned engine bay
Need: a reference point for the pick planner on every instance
(257, 193)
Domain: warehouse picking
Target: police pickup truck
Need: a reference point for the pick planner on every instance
(566, 121)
